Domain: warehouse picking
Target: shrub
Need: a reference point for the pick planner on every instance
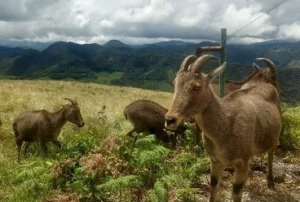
(290, 138)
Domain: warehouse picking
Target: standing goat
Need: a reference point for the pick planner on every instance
(149, 116)
(267, 74)
(243, 124)
(44, 126)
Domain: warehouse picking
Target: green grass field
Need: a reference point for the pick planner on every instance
(106, 78)
(98, 163)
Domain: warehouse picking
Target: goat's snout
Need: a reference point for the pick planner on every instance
(170, 122)
(81, 124)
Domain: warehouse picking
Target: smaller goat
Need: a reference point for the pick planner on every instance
(267, 74)
(149, 116)
(44, 126)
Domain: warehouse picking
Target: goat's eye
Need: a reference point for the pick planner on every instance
(196, 87)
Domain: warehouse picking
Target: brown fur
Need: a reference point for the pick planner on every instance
(235, 128)
(149, 116)
(44, 126)
(264, 74)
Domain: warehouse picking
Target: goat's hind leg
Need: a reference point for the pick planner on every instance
(215, 179)
(26, 145)
(19, 143)
(270, 177)
(240, 179)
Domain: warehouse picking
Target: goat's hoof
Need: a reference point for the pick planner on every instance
(271, 184)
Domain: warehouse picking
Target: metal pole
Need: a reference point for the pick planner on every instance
(223, 59)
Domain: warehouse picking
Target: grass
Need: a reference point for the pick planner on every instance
(106, 78)
(22, 95)
(115, 171)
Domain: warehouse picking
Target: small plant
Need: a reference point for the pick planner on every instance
(102, 115)
(31, 180)
(290, 138)
(77, 146)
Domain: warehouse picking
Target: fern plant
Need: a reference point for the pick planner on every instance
(147, 152)
(31, 180)
(163, 185)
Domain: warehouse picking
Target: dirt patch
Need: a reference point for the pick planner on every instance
(287, 184)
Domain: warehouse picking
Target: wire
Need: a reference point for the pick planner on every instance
(269, 10)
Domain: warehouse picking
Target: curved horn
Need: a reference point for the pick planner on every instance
(72, 101)
(269, 63)
(187, 61)
(255, 66)
(198, 64)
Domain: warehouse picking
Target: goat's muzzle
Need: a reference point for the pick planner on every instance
(171, 122)
(81, 124)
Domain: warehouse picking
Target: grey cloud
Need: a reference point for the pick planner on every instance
(146, 20)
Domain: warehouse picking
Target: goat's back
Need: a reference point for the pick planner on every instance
(27, 124)
(230, 86)
(145, 112)
(254, 110)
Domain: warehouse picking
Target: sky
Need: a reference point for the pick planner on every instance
(147, 21)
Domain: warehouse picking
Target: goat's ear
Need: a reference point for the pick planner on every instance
(216, 72)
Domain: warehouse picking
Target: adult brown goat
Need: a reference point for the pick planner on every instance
(44, 126)
(149, 116)
(243, 124)
(267, 74)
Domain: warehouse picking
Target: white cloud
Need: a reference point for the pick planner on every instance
(237, 18)
(143, 21)
(290, 31)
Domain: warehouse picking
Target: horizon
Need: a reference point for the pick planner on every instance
(35, 45)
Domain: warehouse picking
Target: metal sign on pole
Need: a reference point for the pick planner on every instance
(222, 50)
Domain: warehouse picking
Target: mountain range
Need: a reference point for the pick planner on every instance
(150, 66)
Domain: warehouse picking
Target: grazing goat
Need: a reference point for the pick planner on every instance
(149, 116)
(44, 126)
(243, 124)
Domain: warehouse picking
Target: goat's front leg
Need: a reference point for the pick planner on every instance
(198, 133)
(270, 177)
(44, 148)
(216, 170)
(240, 179)
(57, 143)
(26, 145)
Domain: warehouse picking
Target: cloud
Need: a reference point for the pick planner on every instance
(290, 31)
(140, 21)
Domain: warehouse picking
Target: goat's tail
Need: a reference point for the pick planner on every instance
(14, 125)
(125, 114)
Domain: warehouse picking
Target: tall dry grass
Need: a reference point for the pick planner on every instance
(17, 96)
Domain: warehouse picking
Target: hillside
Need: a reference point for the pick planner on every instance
(99, 163)
(151, 66)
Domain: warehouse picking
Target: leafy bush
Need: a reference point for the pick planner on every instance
(31, 180)
(133, 169)
(77, 146)
(290, 139)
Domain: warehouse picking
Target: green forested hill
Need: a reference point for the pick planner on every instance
(148, 66)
